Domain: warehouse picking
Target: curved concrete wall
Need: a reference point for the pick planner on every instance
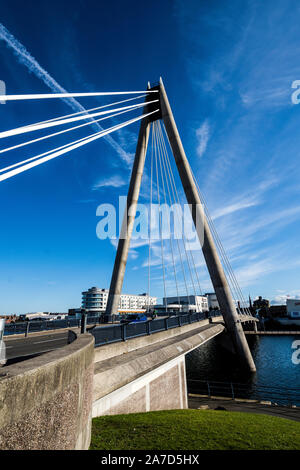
(46, 402)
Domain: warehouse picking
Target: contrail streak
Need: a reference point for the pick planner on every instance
(25, 58)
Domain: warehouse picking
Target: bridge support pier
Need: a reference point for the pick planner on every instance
(217, 275)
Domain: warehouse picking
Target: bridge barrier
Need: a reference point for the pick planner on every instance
(250, 391)
(44, 325)
(25, 328)
(46, 402)
(36, 326)
(122, 332)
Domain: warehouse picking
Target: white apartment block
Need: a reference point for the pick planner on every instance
(196, 303)
(293, 308)
(95, 299)
(212, 300)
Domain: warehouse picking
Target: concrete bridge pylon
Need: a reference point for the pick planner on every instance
(215, 269)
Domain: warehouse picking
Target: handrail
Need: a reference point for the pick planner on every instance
(122, 332)
(274, 394)
(28, 327)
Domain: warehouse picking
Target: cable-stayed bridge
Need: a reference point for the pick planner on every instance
(159, 134)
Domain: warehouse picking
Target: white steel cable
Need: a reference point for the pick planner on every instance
(231, 286)
(46, 153)
(63, 146)
(165, 198)
(69, 95)
(48, 136)
(183, 238)
(55, 154)
(159, 214)
(35, 127)
(89, 110)
(178, 244)
(228, 267)
(195, 269)
(188, 244)
(234, 286)
(150, 215)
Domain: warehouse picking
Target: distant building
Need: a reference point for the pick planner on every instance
(278, 311)
(196, 303)
(293, 308)
(95, 300)
(36, 316)
(212, 300)
(43, 316)
(75, 312)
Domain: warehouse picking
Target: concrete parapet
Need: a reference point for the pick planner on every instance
(46, 402)
(116, 349)
(150, 378)
(122, 347)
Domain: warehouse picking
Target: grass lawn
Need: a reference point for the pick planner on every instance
(194, 430)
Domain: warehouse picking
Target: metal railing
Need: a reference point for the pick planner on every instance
(34, 326)
(27, 327)
(249, 391)
(122, 332)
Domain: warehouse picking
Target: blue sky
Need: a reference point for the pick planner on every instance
(228, 68)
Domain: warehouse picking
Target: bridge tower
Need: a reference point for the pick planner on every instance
(215, 269)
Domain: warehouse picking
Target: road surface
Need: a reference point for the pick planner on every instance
(17, 348)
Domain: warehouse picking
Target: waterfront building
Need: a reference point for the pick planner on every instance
(95, 300)
(212, 300)
(43, 316)
(196, 303)
(293, 308)
(278, 311)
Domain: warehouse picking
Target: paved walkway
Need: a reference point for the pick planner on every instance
(197, 402)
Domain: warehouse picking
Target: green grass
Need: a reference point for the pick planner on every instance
(194, 430)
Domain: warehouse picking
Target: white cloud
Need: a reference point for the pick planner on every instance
(203, 134)
(252, 272)
(114, 181)
(233, 208)
(281, 298)
(246, 199)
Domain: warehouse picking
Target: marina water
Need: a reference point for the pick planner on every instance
(277, 377)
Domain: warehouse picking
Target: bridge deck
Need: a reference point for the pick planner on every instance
(115, 372)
